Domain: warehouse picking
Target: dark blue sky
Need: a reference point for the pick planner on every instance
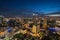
(46, 6)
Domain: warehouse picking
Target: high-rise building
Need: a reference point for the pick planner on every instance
(35, 29)
(1, 19)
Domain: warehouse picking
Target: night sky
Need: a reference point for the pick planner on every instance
(15, 6)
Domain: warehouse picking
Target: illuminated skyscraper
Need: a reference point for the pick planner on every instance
(36, 27)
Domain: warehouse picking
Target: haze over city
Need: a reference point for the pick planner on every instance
(27, 7)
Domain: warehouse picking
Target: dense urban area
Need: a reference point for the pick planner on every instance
(30, 28)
